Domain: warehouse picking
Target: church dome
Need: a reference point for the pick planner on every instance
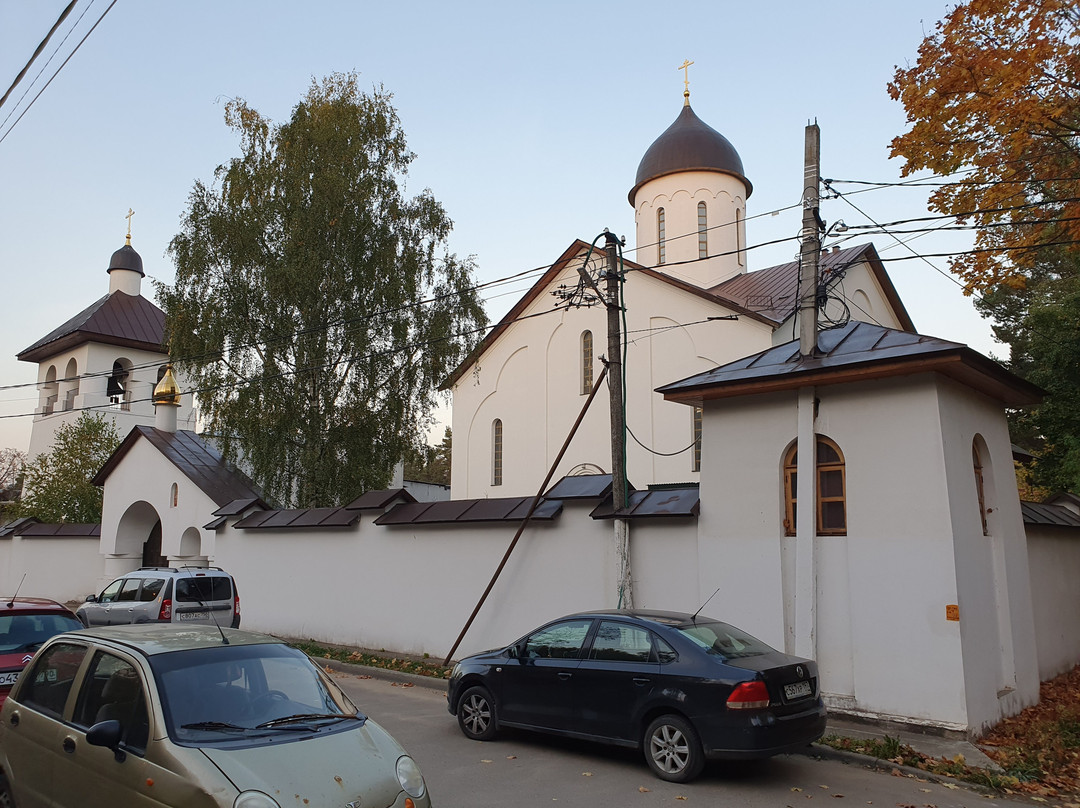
(689, 144)
(126, 258)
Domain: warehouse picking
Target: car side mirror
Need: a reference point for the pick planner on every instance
(91, 598)
(107, 734)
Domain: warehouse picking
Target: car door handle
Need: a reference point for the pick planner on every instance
(641, 680)
(69, 745)
(565, 675)
(14, 719)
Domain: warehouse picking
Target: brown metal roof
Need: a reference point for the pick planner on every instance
(116, 319)
(378, 500)
(855, 352)
(666, 502)
(689, 144)
(581, 486)
(766, 295)
(1036, 513)
(772, 292)
(64, 530)
(299, 518)
(195, 458)
(459, 511)
(238, 506)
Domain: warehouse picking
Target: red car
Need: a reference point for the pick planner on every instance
(25, 623)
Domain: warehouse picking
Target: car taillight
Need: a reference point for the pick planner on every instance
(749, 696)
(165, 613)
(236, 606)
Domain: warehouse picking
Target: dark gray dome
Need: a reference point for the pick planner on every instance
(126, 258)
(689, 144)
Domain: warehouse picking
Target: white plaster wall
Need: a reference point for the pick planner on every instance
(993, 579)
(145, 476)
(679, 195)
(411, 590)
(882, 589)
(1054, 563)
(95, 363)
(530, 378)
(60, 568)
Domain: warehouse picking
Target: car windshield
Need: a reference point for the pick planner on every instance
(26, 632)
(230, 692)
(724, 640)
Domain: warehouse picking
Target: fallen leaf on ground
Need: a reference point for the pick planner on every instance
(485, 761)
(796, 788)
(511, 757)
(586, 774)
(643, 790)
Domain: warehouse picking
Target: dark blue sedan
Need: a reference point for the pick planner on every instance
(683, 688)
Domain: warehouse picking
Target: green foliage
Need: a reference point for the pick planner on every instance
(431, 464)
(12, 463)
(57, 485)
(1041, 325)
(420, 667)
(316, 308)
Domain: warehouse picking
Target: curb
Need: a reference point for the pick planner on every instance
(825, 752)
(366, 671)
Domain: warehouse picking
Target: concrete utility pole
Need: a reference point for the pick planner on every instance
(811, 241)
(618, 419)
(804, 630)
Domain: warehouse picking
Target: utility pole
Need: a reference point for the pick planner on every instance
(811, 242)
(804, 629)
(618, 419)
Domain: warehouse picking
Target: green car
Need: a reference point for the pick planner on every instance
(190, 716)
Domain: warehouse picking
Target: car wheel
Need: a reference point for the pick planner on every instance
(673, 750)
(6, 799)
(476, 714)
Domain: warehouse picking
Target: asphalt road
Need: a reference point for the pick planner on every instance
(528, 771)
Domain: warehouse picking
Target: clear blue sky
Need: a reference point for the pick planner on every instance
(528, 121)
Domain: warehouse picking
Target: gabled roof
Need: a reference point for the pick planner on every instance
(855, 352)
(116, 319)
(766, 295)
(771, 292)
(195, 458)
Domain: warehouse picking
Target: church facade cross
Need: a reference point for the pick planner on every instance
(130, 213)
(685, 67)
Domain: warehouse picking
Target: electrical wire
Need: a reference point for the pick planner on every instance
(54, 75)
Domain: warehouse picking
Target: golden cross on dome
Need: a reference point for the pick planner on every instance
(130, 213)
(685, 67)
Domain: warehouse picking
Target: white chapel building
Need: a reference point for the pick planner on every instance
(691, 304)
(106, 359)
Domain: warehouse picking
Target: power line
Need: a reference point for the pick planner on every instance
(38, 50)
(54, 75)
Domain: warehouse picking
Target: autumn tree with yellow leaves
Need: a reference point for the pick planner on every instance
(993, 104)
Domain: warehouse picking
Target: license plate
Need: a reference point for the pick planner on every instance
(8, 677)
(182, 616)
(798, 690)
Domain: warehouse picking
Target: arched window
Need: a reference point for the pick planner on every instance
(117, 386)
(174, 495)
(696, 428)
(739, 235)
(49, 392)
(586, 363)
(497, 452)
(831, 489)
(980, 481)
(661, 237)
(702, 231)
(71, 382)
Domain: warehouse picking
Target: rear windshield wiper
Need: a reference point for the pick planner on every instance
(301, 718)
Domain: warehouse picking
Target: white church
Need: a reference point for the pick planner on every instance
(911, 552)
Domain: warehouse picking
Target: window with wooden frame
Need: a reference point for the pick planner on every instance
(831, 489)
(980, 485)
(696, 427)
(586, 362)
(661, 237)
(497, 452)
(702, 231)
